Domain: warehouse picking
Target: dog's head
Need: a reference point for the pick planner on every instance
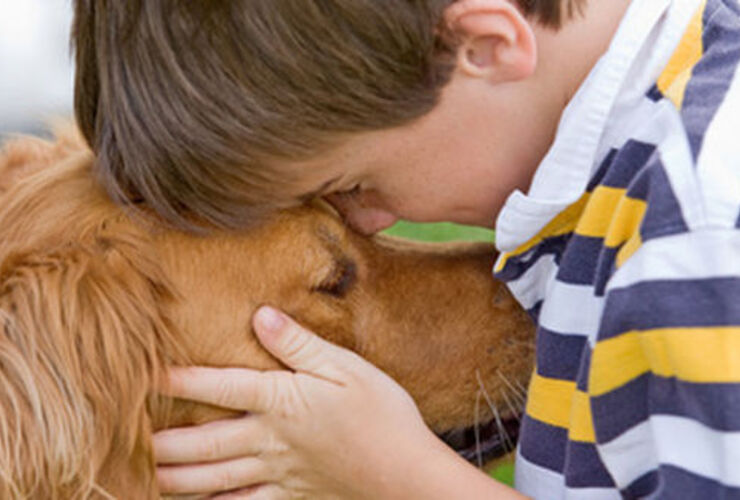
(94, 306)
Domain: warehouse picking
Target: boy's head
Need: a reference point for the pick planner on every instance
(214, 113)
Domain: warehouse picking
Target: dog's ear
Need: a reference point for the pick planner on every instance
(82, 342)
(23, 155)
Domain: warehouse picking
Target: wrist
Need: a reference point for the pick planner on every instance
(433, 471)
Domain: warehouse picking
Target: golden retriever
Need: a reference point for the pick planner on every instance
(95, 304)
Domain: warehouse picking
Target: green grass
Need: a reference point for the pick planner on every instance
(441, 231)
(446, 231)
(503, 473)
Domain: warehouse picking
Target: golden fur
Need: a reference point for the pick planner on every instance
(94, 306)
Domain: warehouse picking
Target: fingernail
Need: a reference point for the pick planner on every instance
(270, 319)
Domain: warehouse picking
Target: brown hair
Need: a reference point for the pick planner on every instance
(188, 104)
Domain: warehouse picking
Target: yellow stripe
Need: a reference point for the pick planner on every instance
(564, 223)
(599, 212)
(626, 221)
(672, 82)
(614, 362)
(700, 355)
(582, 426)
(549, 400)
(630, 247)
(558, 403)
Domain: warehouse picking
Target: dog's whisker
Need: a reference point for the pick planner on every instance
(517, 391)
(496, 414)
(507, 382)
(476, 428)
(521, 387)
(514, 409)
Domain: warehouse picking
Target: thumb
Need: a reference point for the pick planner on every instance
(300, 349)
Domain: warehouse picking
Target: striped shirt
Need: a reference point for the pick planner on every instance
(626, 252)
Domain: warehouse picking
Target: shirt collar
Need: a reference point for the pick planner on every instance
(563, 174)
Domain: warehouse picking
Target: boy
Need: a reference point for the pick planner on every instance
(616, 117)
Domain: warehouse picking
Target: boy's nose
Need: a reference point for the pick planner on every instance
(370, 221)
(360, 217)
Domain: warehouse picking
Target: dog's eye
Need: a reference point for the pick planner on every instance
(341, 280)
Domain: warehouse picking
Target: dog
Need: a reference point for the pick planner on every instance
(96, 302)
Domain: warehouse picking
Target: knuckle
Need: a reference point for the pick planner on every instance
(226, 480)
(269, 388)
(210, 450)
(297, 344)
(227, 393)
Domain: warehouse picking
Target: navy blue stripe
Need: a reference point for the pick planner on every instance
(630, 160)
(583, 371)
(543, 444)
(737, 224)
(671, 303)
(578, 265)
(605, 268)
(654, 94)
(642, 486)
(715, 405)
(712, 75)
(673, 482)
(621, 409)
(584, 468)
(559, 356)
(602, 170)
(663, 215)
(516, 266)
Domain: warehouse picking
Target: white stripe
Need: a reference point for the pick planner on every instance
(592, 494)
(708, 253)
(719, 160)
(631, 455)
(540, 483)
(676, 441)
(665, 128)
(537, 482)
(571, 309)
(530, 288)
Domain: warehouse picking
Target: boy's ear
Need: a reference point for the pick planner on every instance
(495, 40)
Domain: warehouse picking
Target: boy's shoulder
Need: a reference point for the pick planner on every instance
(681, 160)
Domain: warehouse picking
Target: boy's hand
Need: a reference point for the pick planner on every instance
(337, 427)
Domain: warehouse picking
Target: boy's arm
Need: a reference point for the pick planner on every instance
(664, 381)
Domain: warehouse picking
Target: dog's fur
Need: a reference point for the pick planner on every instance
(94, 306)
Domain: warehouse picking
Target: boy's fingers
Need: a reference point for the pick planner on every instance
(212, 477)
(261, 492)
(214, 441)
(235, 388)
(300, 349)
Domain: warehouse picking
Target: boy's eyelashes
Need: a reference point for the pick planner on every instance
(347, 193)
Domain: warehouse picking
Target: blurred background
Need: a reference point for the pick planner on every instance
(35, 64)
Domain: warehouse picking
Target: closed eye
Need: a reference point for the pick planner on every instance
(354, 191)
(338, 283)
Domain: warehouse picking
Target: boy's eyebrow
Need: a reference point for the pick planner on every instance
(304, 198)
